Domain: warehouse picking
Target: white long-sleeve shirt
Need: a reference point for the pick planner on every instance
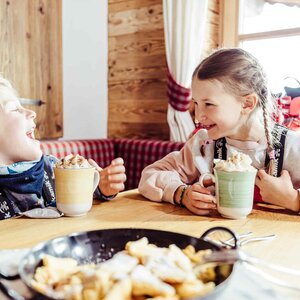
(160, 180)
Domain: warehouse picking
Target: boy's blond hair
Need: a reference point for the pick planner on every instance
(7, 92)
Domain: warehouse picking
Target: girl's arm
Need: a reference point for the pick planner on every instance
(160, 180)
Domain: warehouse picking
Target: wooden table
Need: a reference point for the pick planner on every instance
(130, 209)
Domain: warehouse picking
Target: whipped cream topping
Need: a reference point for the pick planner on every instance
(72, 161)
(236, 162)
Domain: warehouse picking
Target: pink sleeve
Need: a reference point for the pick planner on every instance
(160, 180)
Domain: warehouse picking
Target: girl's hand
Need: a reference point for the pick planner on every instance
(199, 200)
(278, 190)
(112, 178)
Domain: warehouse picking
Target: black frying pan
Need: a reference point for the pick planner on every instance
(99, 245)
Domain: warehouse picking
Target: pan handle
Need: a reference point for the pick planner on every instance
(9, 277)
(221, 228)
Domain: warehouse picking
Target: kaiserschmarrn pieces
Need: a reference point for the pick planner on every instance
(142, 271)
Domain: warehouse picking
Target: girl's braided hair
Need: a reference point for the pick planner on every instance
(241, 74)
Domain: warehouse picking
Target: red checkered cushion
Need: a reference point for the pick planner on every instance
(137, 154)
(101, 150)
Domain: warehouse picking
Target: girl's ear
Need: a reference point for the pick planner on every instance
(249, 103)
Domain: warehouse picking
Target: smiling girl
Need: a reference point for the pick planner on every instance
(26, 175)
(235, 108)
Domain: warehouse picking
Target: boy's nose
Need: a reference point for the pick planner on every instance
(30, 113)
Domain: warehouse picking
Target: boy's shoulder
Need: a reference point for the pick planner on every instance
(50, 161)
(50, 158)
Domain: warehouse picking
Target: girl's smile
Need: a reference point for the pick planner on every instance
(207, 127)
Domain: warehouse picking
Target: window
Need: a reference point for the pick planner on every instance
(270, 30)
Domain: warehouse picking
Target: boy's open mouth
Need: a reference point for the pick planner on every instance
(30, 134)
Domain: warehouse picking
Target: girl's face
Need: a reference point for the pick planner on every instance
(17, 133)
(216, 110)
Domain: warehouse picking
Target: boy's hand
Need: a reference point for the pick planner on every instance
(199, 200)
(112, 178)
(278, 190)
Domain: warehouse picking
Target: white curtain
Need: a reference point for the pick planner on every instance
(184, 25)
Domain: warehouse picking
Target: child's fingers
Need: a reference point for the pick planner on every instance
(200, 212)
(117, 187)
(116, 178)
(200, 189)
(200, 194)
(285, 174)
(257, 181)
(115, 169)
(203, 205)
(117, 161)
(208, 182)
(261, 174)
(199, 197)
(94, 164)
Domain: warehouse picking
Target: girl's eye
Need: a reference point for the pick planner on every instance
(209, 104)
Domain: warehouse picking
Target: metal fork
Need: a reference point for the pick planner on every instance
(230, 256)
(242, 242)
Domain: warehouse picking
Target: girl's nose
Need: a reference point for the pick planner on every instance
(200, 118)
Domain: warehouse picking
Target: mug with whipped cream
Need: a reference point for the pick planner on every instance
(75, 183)
(234, 185)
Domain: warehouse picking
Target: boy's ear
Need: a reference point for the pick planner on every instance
(249, 103)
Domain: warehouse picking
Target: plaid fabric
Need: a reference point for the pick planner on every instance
(179, 96)
(101, 151)
(138, 154)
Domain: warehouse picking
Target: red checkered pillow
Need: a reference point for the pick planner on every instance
(102, 150)
(137, 154)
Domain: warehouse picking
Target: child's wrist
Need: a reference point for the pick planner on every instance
(296, 206)
(180, 195)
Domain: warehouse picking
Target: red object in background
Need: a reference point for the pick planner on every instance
(257, 197)
(295, 107)
(289, 112)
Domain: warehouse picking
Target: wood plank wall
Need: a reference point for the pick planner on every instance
(31, 57)
(137, 67)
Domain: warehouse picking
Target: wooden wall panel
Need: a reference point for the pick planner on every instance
(137, 70)
(31, 57)
(137, 67)
(213, 25)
